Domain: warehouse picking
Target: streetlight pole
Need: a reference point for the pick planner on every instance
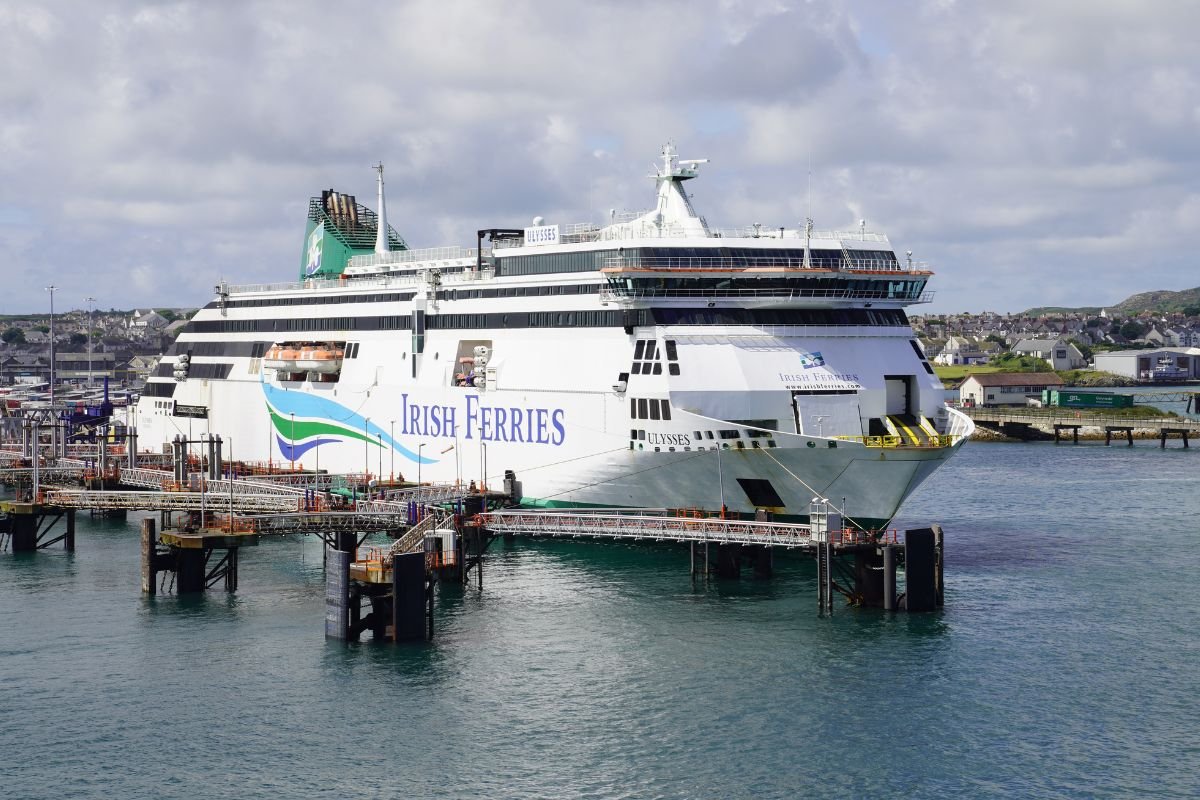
(721, 480)
(380, 435)
(91, 301)
(392, 445)
(366, 441)
(292, 436)
(419, 459)
(51, 289)
(483, 464)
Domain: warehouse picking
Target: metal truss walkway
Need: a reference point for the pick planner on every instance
(167, 501)
(664, 528)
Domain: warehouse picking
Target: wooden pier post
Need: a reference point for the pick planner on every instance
(408, 597)
(764, 562)
(919, 570)
(868, 577)
(889, 578)
(729, 561)
(69, 535)
(23, 530)
(149, 565)
(189, 570)
(939, 560)
(337, 594)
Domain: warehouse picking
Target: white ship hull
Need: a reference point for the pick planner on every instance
(648, 364)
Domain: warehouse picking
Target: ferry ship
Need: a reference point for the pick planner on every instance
(651, 361)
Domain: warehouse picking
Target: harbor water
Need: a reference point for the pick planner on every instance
(1066, 663)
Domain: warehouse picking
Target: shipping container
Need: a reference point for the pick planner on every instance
(1070, 398)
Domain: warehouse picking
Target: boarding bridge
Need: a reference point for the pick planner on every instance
(663, 528)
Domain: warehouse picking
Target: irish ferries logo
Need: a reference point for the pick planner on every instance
(316, 245)
(301, 422)
(811, 360)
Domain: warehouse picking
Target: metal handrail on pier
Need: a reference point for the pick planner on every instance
(662, 528)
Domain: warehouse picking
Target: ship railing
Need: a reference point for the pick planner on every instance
(381, 280)
(640, 263)
(614, 293)
(451, 253)
(618, 229)
(935, 441)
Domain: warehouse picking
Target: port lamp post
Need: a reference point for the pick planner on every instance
(292, 436)
(483, 465)
(51, 289)
(91, 301)
(721, 480)
(392, 446)
(420, 458)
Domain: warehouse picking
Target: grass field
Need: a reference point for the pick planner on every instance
(958, 373)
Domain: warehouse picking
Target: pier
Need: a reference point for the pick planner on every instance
(209, 509)
(1063, 422)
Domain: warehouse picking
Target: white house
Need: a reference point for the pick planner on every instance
(961, 350)
(1005, 388)
(1060, 353)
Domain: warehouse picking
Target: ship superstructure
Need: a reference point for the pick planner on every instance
(648, 362)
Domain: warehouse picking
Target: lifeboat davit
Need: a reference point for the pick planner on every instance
(322, 358)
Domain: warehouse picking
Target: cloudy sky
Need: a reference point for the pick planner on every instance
(1033, 151)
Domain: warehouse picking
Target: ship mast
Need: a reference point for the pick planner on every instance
(381, 237)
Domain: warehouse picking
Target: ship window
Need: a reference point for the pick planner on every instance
(698, 436)
(643, 411)
(928, 368)
(633, 433)
(632, 408)
(642, 435)
(672, 353)
(650, 350)
(729, 434)
(639, 348)
(636, 369)
(708, 434)
(666, 409)
(657, 368)
(654, 409)
(673, 369)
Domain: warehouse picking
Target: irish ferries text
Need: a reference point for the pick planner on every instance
(483, 422)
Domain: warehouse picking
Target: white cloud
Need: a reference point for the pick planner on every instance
(1029, 149)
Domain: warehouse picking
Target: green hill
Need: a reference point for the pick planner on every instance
(1162, 300)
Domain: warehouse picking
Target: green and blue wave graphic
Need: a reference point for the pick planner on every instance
(303, 421)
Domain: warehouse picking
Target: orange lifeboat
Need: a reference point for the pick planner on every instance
(323, 358)
(282, 357)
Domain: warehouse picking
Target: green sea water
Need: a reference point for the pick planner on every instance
(1065, 664)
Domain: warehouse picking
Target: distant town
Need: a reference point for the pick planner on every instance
(1142, 346)
(122, 346)
(1146, 346)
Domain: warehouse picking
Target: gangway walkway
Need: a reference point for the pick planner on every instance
(665, 528)
(166, 501)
